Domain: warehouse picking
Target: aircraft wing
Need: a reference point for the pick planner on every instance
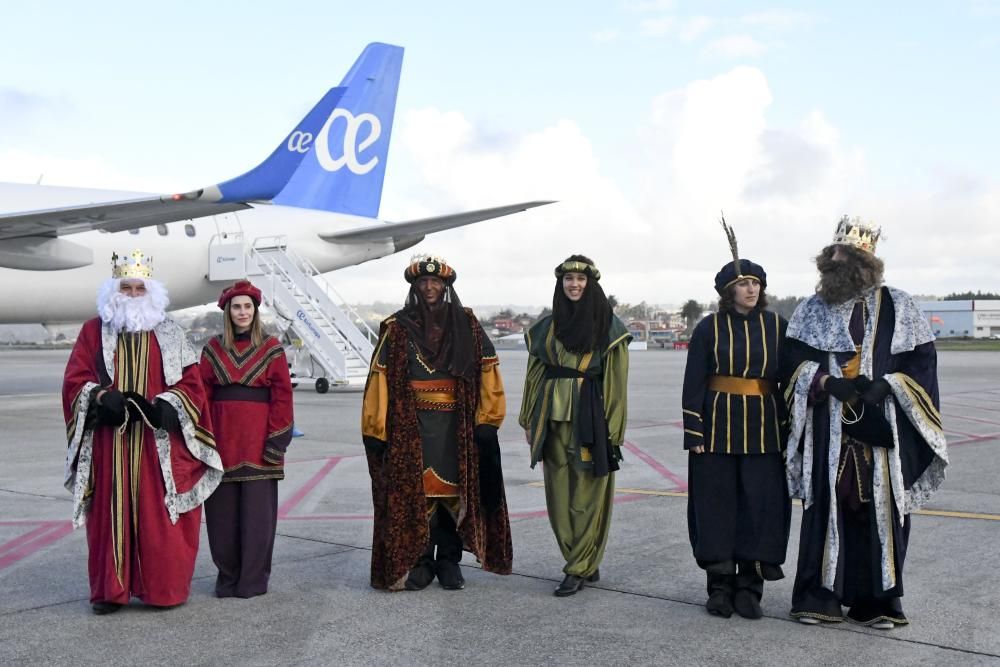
(112, 216)
(260, 184)
(416, 229)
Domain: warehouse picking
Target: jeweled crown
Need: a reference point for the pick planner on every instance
(134, 265)
(861, 234)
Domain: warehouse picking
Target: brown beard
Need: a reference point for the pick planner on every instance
(845, 280)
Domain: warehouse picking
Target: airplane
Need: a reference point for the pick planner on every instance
(319, 190)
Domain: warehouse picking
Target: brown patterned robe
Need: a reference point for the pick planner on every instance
(401, 532)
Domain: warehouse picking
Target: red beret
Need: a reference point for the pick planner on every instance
(240, 288)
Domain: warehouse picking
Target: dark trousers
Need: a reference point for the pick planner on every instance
(444, 536)
(738, 508)
(242, 518)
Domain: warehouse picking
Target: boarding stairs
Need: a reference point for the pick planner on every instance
(335, 336)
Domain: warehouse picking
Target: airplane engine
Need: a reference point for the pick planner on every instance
(43, 253)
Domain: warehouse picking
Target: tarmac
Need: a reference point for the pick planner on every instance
(647, 608)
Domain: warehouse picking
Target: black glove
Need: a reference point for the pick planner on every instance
(861, 384)
(876, 392)
(148, 410)
(111, 408)
(490, 467)
(166, 415)
(840, 388)
(375, 446)
(871, 429)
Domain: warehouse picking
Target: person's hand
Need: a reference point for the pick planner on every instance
(111, 407)
(167, 415)
(151, 414)
(700, 449)
(877, 392)
(840, 388)
(861, 384)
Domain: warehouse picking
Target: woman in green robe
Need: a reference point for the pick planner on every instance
(573, 413)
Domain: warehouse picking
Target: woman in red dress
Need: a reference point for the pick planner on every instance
(249, 392)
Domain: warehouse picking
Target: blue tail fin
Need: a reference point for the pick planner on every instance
(266, 180)
(345, 169)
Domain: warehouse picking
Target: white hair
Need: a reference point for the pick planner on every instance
(140, 313)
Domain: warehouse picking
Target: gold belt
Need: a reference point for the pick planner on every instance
(745, 386)
(434, 394)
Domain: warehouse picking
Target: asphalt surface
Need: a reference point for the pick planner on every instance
(647, 608)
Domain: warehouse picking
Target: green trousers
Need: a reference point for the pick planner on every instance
(579, 504)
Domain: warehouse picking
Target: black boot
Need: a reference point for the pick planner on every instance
(571, 585)
(720, 594)
(444, 532)
(104, 608)
(749, 586)
(422, 573)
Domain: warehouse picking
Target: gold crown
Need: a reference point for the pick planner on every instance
(135, 265)
(858, 233)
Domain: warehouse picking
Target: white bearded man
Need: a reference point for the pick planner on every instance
(141, 457)
(866, 447)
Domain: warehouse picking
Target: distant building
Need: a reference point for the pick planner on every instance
(979, 318)
(507, 326)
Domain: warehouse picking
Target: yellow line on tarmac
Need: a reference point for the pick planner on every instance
(949, 514)
(959, 515)
(647, 492)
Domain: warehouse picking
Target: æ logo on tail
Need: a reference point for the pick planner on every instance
(299, 142)
(352, 147)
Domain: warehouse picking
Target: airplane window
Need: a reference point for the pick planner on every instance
(133, 231)
(189, 230)
(161, 230)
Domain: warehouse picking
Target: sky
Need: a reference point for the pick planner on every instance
(643, 118)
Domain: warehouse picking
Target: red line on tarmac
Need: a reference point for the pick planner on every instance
(52, 531)
(27, 537)
(978, 420)
(975, 438)
(320, 458)
(676, 424)
(951, 431)
(25, 522)
(292, 502)
(969, 406)
(679, 483)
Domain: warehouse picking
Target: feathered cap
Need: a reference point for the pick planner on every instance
(240, 288)
(429, 265)
(738, 269)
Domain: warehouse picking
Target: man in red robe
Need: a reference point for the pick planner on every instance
(141, 457)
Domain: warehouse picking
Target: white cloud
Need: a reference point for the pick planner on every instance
(647, 6)
(704, 147)
(655, 27)
(605, 36)
(509, 260)
(779, 19)
(694, 27)
(735, 46)
(21, 166)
